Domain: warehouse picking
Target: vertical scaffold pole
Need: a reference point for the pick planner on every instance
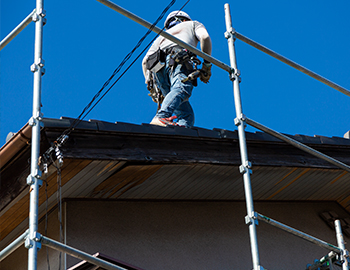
(33, 241)
(245, 168)
(341, 245)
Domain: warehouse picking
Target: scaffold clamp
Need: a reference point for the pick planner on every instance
(240, 119)
(29, 242)
(41, 12)
(237, 121)
(244, 169)
(230, 33)
(252, 218)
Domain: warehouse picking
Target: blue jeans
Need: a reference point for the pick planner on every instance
(176, 94)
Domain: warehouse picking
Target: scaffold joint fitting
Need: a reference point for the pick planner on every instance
(42, 12)
(244, 169)
(32, 239)
(252, 218)
(248, 164)
(238, 73)
(235, 74)
(240, 120)
(32, 122)
(33, 68)
(237, 121)
(39, 13)
(35, 17)
(41, 62)
(230, 33)
(31, 179)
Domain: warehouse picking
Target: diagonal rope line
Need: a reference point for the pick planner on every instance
(64, 136)
(88, 108)
(148, 45)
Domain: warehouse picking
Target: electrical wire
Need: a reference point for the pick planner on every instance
(92, 105)
(61, 140)
(148, 45)
(46, 224)
(119, 78)
(59, 204)
(64, 136)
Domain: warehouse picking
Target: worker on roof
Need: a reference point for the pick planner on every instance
(167, 65)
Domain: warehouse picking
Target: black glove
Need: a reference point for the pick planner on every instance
(206, 72)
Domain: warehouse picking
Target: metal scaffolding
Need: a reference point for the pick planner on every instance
(240, 121)
(33, 239)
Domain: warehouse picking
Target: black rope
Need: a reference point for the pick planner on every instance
(46, 224)
(64, 136)
(88, 108)
(148, 45)
(119, 78)
(59, 204)
(61, 140)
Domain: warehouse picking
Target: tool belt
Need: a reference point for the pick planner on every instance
(156, 61)
(178, 56)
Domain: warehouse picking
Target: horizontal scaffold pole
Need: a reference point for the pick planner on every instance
(297, 144)
(79, 254)
(292, 64)
(318, 263)
(305, 236)
(159, 31)
(13, 246)
(17, 30)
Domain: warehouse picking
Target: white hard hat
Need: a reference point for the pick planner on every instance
(174, 14)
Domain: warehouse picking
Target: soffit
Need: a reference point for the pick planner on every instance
(92, 179)
(138, 162)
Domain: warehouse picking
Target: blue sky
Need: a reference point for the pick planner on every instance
(84, 41)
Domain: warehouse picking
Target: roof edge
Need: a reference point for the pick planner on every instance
(18, 141)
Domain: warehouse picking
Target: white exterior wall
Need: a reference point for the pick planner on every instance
(196, 235)
(18, 260)
(157, 235)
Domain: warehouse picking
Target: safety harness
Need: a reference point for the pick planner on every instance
(178, 56)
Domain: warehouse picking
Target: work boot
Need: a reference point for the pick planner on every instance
(164, 121)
